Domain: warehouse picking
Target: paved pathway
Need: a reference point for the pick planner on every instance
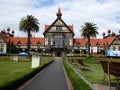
(52, 78)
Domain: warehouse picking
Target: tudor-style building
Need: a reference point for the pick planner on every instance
(59, 40)
(59, 36)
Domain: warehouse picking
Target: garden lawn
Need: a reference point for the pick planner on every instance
(96, 74)
(77, 82)
(10, 71)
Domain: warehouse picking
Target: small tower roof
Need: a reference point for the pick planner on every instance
(59, 14)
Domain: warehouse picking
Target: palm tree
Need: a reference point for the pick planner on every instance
(87, 31)
(29, 24)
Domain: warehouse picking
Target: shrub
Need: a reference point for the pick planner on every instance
(13, 85)
(77, 82)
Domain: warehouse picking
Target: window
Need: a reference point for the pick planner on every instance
(58, 42)
(19, 45)
(1, 48)
(118, 48)
(0, 38)
(38, 46)
(78, 45)
(58, 28)
(114, 48)
(65, 42)
(49, 41)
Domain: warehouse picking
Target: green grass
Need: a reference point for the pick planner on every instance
(97, 73)
(11, 71)
(77, 82)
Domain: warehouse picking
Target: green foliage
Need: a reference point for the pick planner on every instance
(87, 31)
(96, 74)
(11, 48)
(13, 74)
(29, 24)
(77, 82)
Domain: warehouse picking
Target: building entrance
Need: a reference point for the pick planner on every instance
(58, 54)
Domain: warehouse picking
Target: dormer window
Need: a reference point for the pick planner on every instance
(78, 45)
(58, 28)
(19, 44)
(38, 45)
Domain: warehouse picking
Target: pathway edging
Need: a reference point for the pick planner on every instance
(29, 81)
(85, 80)
(67, 79)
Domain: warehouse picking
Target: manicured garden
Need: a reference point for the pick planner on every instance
(96, 73)
(77, 82)
(13, 74)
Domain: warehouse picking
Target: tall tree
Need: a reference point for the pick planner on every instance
(89, 30)
(29, 24)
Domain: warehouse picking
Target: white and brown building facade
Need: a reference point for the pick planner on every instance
(59, 40)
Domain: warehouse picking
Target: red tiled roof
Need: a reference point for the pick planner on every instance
(46, 27)
(79, 40)
(93, 42)
(23, 40)
(70, 27)
(108, 40)
(59, 11)
(6, 38)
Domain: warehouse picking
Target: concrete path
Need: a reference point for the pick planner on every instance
(52, 78)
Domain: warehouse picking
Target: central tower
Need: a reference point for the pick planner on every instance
(58, 37)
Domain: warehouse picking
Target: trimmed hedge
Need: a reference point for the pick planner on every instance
(19, 81)
(77, 82)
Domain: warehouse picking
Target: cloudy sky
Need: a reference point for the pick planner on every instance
(104, 13)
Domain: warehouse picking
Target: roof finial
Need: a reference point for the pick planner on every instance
(59, 14)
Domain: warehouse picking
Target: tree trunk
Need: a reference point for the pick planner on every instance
(28, 47)
(88, 46)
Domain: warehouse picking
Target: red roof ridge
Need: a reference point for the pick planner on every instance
(59, 11)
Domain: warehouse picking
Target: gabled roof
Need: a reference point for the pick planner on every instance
(23, 41)
(48, 26)
(70, 27)
(93, 42)
(108, 40)
(6, 38)
(82, 41)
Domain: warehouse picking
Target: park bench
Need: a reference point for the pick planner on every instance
(111, 68)
(72, 60)
(83, 65)
(69, 60)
